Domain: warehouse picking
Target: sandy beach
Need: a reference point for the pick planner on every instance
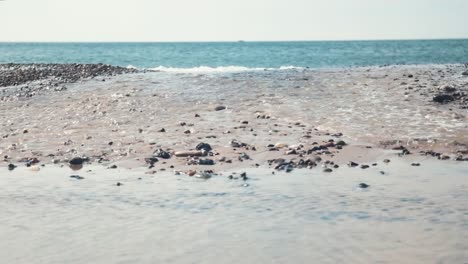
(316, 157)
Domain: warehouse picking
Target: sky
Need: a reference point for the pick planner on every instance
(231, 20)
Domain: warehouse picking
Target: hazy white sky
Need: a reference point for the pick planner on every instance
(225, 20)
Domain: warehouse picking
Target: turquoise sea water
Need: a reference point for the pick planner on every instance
(318, 54)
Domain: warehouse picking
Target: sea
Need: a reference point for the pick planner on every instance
(242, 55)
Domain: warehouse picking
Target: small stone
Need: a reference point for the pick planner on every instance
(160, 153)
(244, 176)
(191, 173)
(11, 166)
(78, 177)
(443, 98)
(327, 170)
(364, 166)
(206, 162)
(25, 131)
(244, 156)
(236, 144)
(281, 145)
(219, 108)
(197, 115)
(119, 184)
(190, 153)
(415, 164)
(364, 185)
(291, 152)
(162, 130)
(76, 161)
(386, 161)
(113, 167)
(204, 175)
(352, 164)
(151, 160)
(340, 143)
(203, 146)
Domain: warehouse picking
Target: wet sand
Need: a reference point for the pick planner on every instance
(408, 215)
(299, 199)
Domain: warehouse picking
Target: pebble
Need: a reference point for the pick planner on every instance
(415, 164)
(327, 170)
(352, 164)
(160, 153)
(281, 145)
(206, 162)
(11, 166)
(443, 98)
(190, 153)
(203, 146)
(219, 108)
(341, 143)
(244, 176)
(364, 185)
(76, 161)
(204, 175)
(244, 156)
(78, 177)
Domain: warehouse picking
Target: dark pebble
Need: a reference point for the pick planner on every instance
(76, 161)
(364, 185)
(11, 166)
(203, 146)
(206, 162)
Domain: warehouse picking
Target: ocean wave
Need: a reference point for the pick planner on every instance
(222, 69)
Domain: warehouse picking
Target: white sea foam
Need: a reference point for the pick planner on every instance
(222, 69)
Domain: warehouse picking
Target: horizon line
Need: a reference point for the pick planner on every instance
(230, 41)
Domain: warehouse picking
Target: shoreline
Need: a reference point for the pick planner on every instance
(301, 144)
